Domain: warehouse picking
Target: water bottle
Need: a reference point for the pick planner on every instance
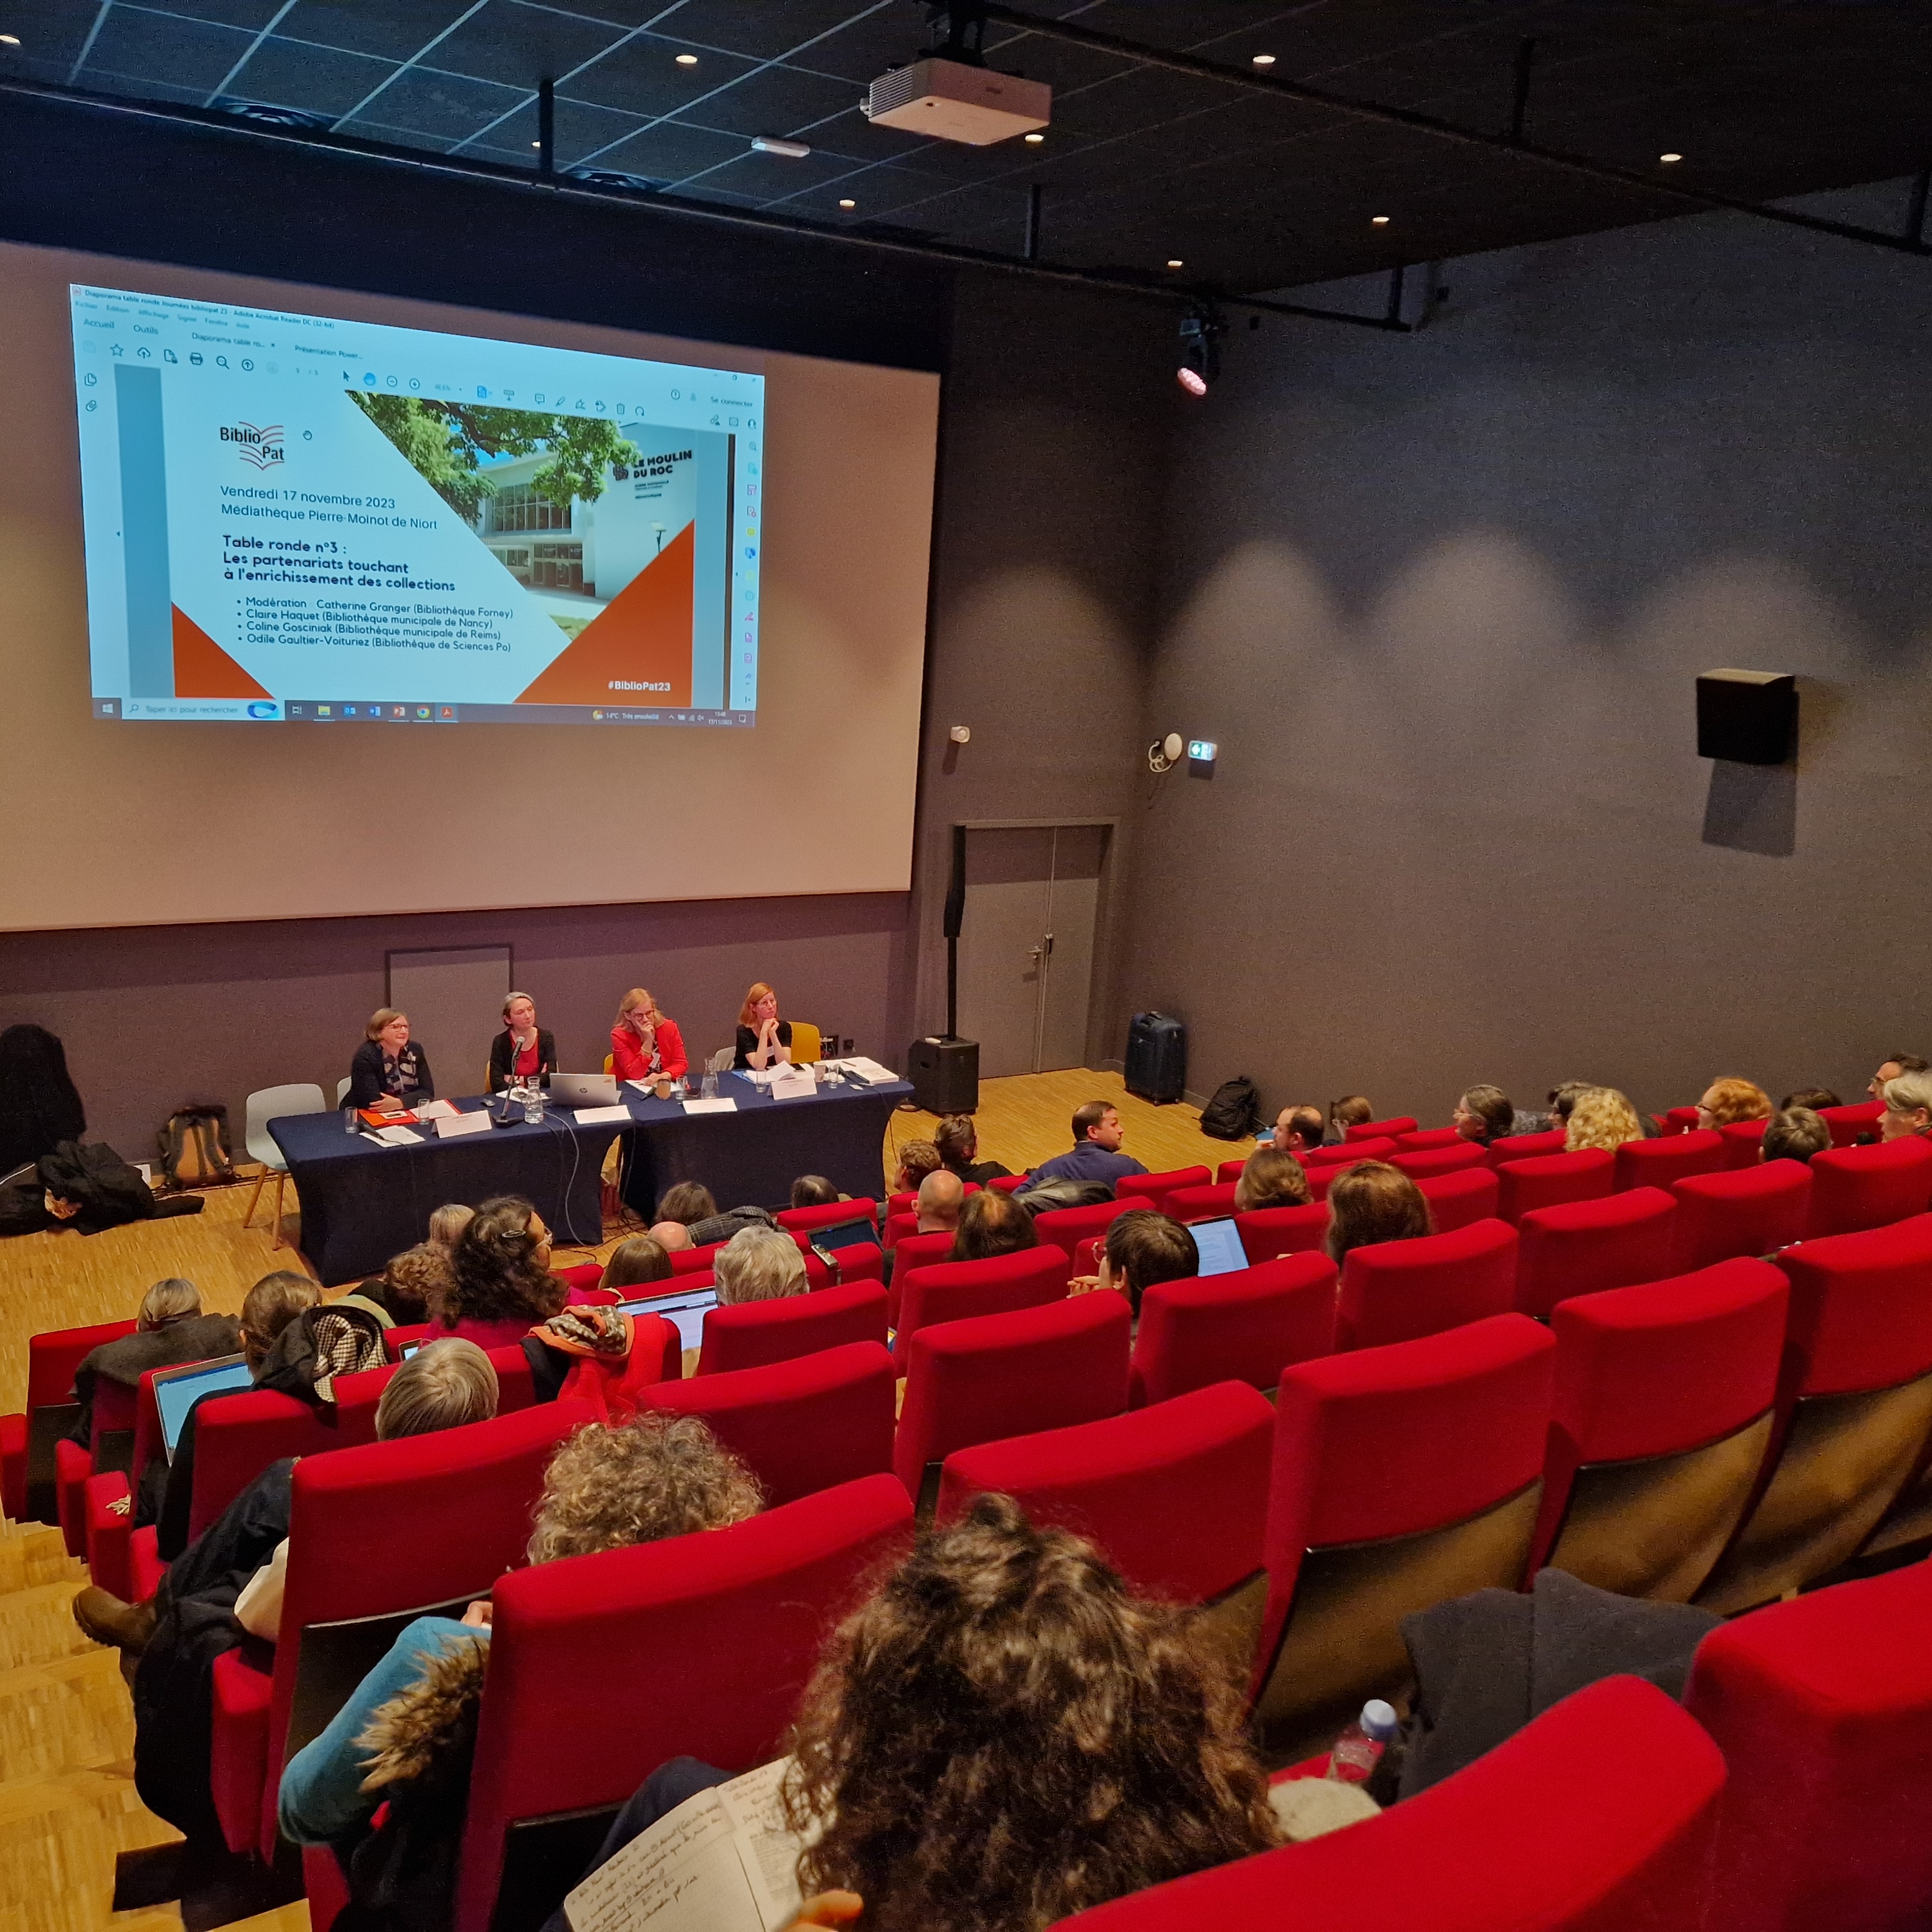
(533, 1105)
(708, 1091)
(1358, 1749)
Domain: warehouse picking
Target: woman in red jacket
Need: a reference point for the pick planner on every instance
(645, 1045)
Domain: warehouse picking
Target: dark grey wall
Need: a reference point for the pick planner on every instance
(1442, 599)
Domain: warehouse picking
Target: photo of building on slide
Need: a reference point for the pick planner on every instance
(618, 532)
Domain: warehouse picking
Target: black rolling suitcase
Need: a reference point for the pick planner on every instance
(1156, 1058)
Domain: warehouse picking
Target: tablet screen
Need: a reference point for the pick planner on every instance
(685, 1312)
(1218, 1244)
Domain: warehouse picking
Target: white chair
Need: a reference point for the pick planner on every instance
(720, 1062)
(273, 1103)
(342, 1087)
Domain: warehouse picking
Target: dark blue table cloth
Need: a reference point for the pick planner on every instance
(361, 1203)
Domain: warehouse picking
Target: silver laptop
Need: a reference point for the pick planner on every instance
(583, 1090)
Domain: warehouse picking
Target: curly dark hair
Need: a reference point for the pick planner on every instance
(1003, 1735)
(498, 1270)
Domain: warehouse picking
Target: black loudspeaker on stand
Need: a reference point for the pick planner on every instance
(943, 1068)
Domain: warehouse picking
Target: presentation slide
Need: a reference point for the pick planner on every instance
(298, 518)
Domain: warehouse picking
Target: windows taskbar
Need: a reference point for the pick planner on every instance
(358, 711)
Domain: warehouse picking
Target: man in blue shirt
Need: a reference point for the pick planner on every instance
(1096, 1155)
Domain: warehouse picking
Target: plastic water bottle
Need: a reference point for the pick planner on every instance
(1359, 1749)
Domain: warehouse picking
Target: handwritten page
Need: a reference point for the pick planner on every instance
(722, 1862)
(397, 1137)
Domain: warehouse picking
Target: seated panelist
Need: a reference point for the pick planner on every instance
(645, 1045)
(523, 1051)
(390, 1072)
(763, 1039)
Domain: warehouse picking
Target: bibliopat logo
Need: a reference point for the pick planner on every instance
(259, 445)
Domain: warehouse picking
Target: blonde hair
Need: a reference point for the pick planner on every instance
(381, 1017)
(168, 1301)
(448, 1221)
(638, 997)
(444, 1385)
(657, 1475)
(1271, 1177)
(1601, 1117)
(758, 1265)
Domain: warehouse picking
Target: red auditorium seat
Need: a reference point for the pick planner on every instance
(1004, 1183)
(1668, 1159)
(1596, 1817)
(1402, 1477)
(1755, 1211)
(1400, 1291)
(801, 1426)
(1858, 1187)
(962, 1290)
(1744, 1144)
(1202, 1203)
(1662, 1415)
(395, 1340)
(897, 1227)
(1351, 1151)
(996, 1375)
(1823, 1708)
(1849, 1125)
(1266, 1232)
(832, 1214)
(1244, 1326)
(914, 1251)
(1433, 1162)
(1455, 1200)
(907, 1203)
(360, 1547)
(1586, 1246)
(1157, 1187)
(696, 1260)
(753, 1334)
(1426, 1140)
(1527, 1147)
(1683, 1120)
(708, 1640)
(1389, 1129)
(27, 1438)
(1067, 1227)
(1854, 1408)
(85, 1479)
(1231, 1170)
(1175, 1495)
(1552, 1180)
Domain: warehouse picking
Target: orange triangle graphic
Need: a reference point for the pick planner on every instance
(202, 669)
(641, 638)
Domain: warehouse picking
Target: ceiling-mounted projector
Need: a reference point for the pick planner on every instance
(953, 102)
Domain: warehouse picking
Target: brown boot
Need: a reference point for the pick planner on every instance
(105, 1618)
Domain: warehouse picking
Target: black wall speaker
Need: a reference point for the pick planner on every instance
(1747, 717)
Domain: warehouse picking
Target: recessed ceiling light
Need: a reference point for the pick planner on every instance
(1380, 220)
(1036, 140)
(687, 60)
(10, 40)
(848, 203)
(1174, 262)
(1668, 158)
(770, 144)
(1264, 60)
(536, 144)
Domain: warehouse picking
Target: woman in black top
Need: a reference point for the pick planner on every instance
(958, 1141)
(763, 1039)
(523, 1051)
(390, 1072)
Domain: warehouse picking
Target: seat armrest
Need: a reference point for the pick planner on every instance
(72, 1466)
(110, 1518)
(238, 1758)
(14, 1467)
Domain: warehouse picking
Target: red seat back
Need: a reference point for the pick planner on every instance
(1157, 1187)
(1861, 1309)
(1527, 1147)
(709, 1640)
(395, 1340)
(800, 1426)
(391, 1527)
(696, 1260)
(1003, 1184)
(1456, 1199)
(1754, 1211)
(1857, 1187)
(1067, 1227)
(1586, 1246)
(1244, 1326)
(237, 1436)
(959, 1291)
(1552, 1180)
(1378, 1148)
(1743, 1143)
(1669, 1158)
(1389, 1129)
(753, 1334)
(148, 1441)
(1597, 1816)
(1175, 1496)
(1848, 1125)
(1230, 1170)
(1266, 1232)
(1683, 1120)
(1398, 1290)
(1205, 1202)
(897, 1226)
(1433, 1161)
(1804, 1698)
(1426, 1140)
(832, 1214)
(1011, 1375)
(52, 1357)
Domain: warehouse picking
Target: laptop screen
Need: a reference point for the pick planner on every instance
(845, 1234)
(177, 1391)
(1218, 1244)
(685, 1312)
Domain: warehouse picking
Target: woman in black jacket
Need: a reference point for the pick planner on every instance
(390, 1071)
(523, 1051)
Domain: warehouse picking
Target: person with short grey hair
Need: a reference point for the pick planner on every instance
(1794, 1133)
(168, 1301)
(1908, 1106)
(758, 1265)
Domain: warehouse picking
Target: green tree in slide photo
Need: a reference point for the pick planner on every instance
(444, 442)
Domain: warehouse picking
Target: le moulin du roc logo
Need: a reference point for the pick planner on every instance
(258, 444)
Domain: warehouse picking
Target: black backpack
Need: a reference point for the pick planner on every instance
(1233, 1113)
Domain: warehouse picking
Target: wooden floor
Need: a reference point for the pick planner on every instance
(67, 1804)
